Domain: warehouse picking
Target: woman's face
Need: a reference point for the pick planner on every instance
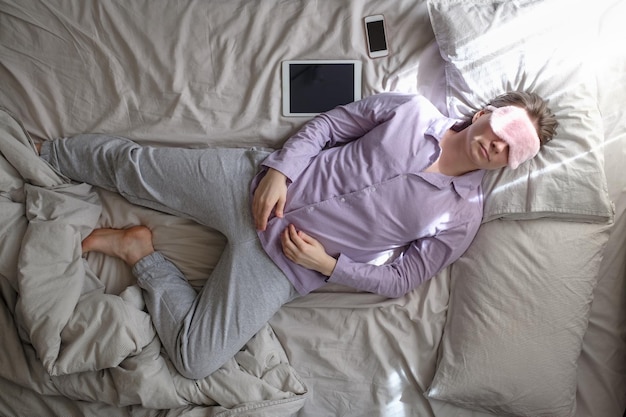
(484, 147)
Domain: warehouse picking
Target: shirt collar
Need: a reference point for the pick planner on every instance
(464, 185)
(467, 184)
(439, 126)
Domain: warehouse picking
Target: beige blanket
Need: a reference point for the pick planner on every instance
(197, 73)
(97, 346)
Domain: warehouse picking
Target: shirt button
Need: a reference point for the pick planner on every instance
(310, 209)
(342, 199)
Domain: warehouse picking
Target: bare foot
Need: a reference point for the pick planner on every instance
(128, 244)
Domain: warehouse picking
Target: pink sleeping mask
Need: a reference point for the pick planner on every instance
(513, 125)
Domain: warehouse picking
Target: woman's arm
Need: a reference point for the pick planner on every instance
(270, 194)
(422, 260)
(335, 127)
(306, 251)
(340, 125)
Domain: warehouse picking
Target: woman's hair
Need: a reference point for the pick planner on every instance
(537, 108)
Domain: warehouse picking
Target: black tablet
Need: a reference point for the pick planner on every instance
(311, 87)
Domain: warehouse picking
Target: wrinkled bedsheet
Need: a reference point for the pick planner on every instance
(198, 73)
(91, 345)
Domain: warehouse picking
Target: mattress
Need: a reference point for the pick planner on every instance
(530, 321)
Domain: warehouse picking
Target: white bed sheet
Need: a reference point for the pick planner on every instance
(359, 354)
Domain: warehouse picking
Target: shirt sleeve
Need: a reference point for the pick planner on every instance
(422, 260)
(335, 127)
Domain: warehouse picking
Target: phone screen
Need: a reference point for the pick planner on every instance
(376, 36)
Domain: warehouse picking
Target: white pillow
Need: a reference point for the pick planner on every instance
(494, 46)
(517, 316)
(521, 294)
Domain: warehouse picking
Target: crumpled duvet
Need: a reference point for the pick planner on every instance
(95, 346)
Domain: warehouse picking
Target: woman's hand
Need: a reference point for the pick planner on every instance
(271, 194)
(305, 251)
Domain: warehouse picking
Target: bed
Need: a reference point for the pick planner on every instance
(531, 321)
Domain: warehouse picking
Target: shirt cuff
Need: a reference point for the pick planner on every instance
(339, 275)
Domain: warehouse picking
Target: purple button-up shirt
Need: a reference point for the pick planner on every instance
(357, 184)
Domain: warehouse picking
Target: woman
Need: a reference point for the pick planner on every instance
(387, 172)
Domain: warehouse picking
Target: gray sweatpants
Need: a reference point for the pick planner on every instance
(211, 186)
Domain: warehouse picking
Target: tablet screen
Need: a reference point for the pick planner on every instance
(313, 87)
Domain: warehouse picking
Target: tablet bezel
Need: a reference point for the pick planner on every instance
(286, 87)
